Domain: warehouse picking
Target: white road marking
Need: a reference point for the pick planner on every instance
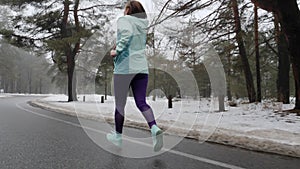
(205, 160)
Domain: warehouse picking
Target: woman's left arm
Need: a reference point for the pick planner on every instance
(124, 33)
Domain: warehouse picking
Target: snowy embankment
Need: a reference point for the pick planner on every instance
(259, 127)
(2, 95)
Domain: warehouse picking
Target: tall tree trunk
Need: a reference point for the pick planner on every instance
(242, 51)
(283, 77)
(289, 18)
(40, 86)
(12, 85)
(258, 77)
(70, 60)
(6, 85)
(71, 82)
(105, 82)
(76, 47)
(228, 72)
(69, 52)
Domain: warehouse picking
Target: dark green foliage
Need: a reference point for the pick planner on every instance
(202, 79)
(104, 75)
(165, 82)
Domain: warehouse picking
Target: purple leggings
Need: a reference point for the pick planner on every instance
(138, 84)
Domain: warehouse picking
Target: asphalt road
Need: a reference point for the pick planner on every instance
(34, 138)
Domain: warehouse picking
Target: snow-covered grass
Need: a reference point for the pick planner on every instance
(190, 113)
(24, 94)
(3, 95)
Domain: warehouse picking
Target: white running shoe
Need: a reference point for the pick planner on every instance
(115, 138)
(157, 137)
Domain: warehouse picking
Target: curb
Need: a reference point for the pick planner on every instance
(220, 136)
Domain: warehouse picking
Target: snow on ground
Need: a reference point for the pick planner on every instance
(190, 113)
(259, 126)
(24, 94)
(3, 95)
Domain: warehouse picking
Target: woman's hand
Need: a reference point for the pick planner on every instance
(113, 53)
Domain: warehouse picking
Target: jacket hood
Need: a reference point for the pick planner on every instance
(139, 24)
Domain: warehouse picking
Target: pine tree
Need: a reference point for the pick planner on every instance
(288, 15)
(61, 32)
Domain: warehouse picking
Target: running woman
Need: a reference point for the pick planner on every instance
(131, 70)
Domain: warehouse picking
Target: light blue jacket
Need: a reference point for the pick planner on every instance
(130, 46)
